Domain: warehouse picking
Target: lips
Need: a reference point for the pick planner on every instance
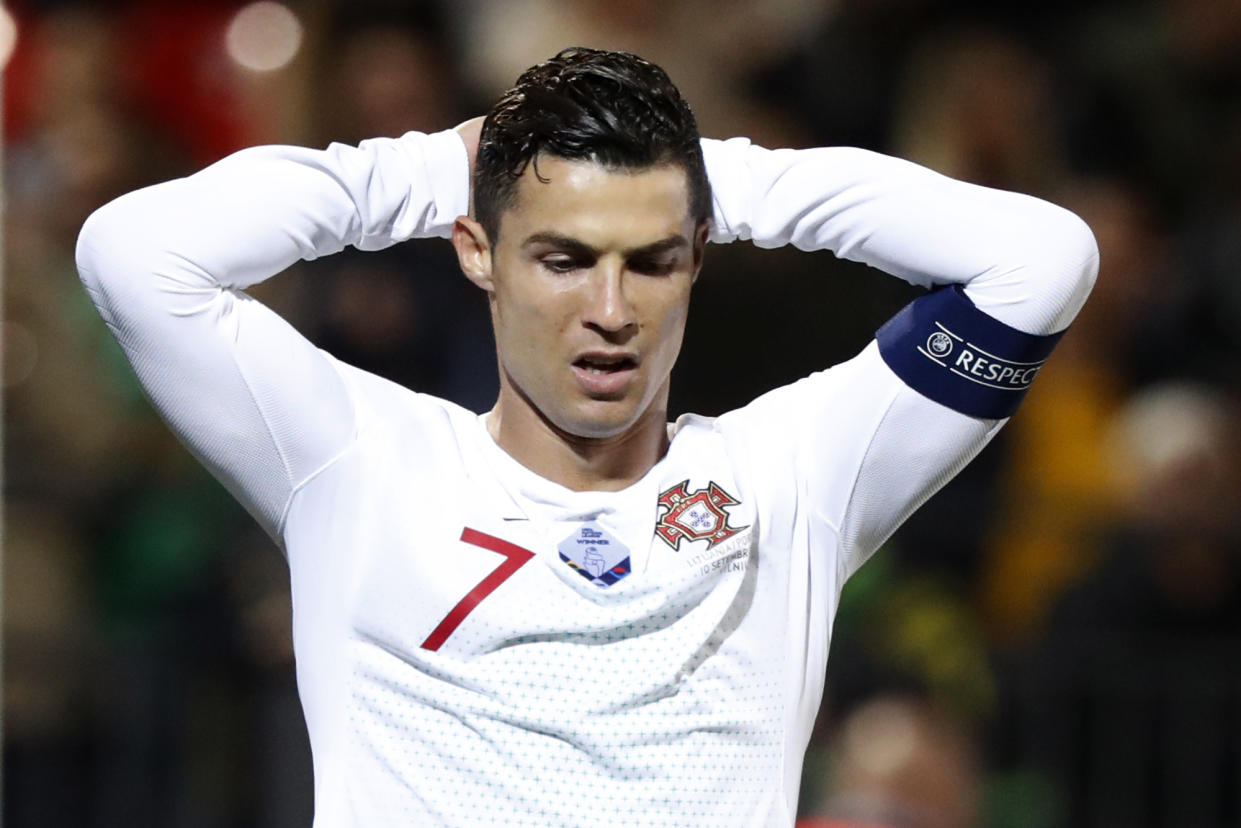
(602, 363)
(604, 374)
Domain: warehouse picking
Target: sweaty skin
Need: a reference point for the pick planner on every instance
(589, 289)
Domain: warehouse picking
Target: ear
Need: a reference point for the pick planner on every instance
(700, 245)
(473, 252)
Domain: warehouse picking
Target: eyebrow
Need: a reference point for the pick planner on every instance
(577, 246)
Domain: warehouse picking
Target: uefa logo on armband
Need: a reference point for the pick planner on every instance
(939, 344)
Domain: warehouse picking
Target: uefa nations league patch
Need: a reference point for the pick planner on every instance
(595, 555)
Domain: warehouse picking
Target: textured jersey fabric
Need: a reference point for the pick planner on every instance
(477, 645)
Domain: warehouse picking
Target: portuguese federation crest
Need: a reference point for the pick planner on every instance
(694, 516)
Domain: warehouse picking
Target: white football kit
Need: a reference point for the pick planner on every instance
(477, 645)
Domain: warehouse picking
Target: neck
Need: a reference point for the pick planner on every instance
(580, 463)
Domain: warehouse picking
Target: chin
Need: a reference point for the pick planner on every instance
(599, 420)
(596, 429)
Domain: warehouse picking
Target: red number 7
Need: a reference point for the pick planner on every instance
(514, 557)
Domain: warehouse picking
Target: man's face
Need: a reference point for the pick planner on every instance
(589, 287)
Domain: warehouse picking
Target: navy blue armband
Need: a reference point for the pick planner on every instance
(946, 349)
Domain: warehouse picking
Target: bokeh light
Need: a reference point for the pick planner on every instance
(264, 36)
(8, 36)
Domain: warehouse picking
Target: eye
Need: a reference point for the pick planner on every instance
(560, 264)
(654, 267)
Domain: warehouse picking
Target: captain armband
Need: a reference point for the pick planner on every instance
(946, 349)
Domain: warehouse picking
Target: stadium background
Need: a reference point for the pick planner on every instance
(1052, 641)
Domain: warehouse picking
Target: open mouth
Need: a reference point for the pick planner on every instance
(601, 364)
(605, 376)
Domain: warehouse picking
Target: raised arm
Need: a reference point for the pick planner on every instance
(259, 405)
(1024, 261)
(948, 370)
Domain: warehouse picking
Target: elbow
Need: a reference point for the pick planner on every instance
(100, 254)
(1074, 261)
(122, 250)
(1045, 267)
(1062, 264)
(90, 238)
(1082, 252)
(104, 237)
(131, 234)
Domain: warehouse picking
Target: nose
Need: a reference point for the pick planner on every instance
(609, 310)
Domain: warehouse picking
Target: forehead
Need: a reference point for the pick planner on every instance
(599, 205)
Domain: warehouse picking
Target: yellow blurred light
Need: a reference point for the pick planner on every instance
(263, 36)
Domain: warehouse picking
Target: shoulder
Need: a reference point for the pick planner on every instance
(810, 437)
(385, 406)
(845, 396)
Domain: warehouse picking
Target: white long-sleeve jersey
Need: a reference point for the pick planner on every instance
(477, 645)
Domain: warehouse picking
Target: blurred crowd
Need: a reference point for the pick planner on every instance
(1054, 640)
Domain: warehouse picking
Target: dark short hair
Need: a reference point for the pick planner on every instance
(613, 108)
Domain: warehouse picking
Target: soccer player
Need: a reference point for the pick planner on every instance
(567, 610)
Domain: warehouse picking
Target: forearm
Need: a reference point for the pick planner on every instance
(258, 211)
(1025, 262)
